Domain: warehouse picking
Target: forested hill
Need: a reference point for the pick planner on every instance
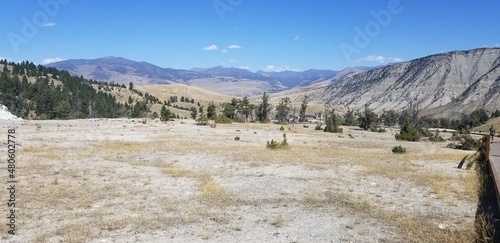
(38, 92)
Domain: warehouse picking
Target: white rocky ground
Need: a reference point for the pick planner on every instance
(6, 115)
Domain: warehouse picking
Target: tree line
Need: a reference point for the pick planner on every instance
(34, 91)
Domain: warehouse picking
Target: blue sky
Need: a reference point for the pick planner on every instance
(253, 34)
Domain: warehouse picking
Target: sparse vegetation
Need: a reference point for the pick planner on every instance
(223, 119)
(408, 133)
(273, 144)
(332, 122)
(367, 118)
(464, 141)
(190, 182)
(398, 150)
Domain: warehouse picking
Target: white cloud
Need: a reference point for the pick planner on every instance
(52, 60)
(49, 24)
(379, 59)
(234, 47)
(232, 60)
(245, 67)
(224, 51)
(272, 68)
(297, 37)
(210, 48)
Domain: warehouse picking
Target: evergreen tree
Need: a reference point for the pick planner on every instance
(349, 117)
(303, 108)
(264, 108)
(367, 118)
(390, 118)
(194, 113)
(283, 109)
(211, 113)
(230, 109)
(332, 122)
(164, 113)
(245, 108)
(131, 86)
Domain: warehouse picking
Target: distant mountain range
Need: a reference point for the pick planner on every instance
(443, 84)
(220, 79)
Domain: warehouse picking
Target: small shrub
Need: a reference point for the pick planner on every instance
(202, 120)
(237, 138)
(408, 133)
(378, 129)
(222, 119)
(436, 137)
(350, 135)
(282, 128)
(398, 150)
(274, 144)
(318, 127)
(464, 141)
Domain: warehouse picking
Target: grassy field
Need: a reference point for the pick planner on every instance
(126, 180)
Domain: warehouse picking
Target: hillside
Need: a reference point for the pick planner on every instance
(442, 84)
(165, 91)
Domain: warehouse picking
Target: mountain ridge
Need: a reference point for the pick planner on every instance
(123, 71)
(452, 82)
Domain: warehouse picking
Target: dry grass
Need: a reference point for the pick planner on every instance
(213, 193)
(277, 221)
(415, 228)
(167, 181)
(179, 172)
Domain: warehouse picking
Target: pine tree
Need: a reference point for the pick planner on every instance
(283, 109)
(264, 108)
(303, 108)
(164, 113)
(211, 113)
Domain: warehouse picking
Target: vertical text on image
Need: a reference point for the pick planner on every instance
(11, 180)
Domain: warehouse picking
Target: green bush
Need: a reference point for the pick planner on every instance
(282, 128)
(378, 129)
(436, 137)
(237, 138)
(202, 120)
(464, 141)
(318, 127)
(398, 150)
(223, 119)
(408, 133)
(274, 144)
